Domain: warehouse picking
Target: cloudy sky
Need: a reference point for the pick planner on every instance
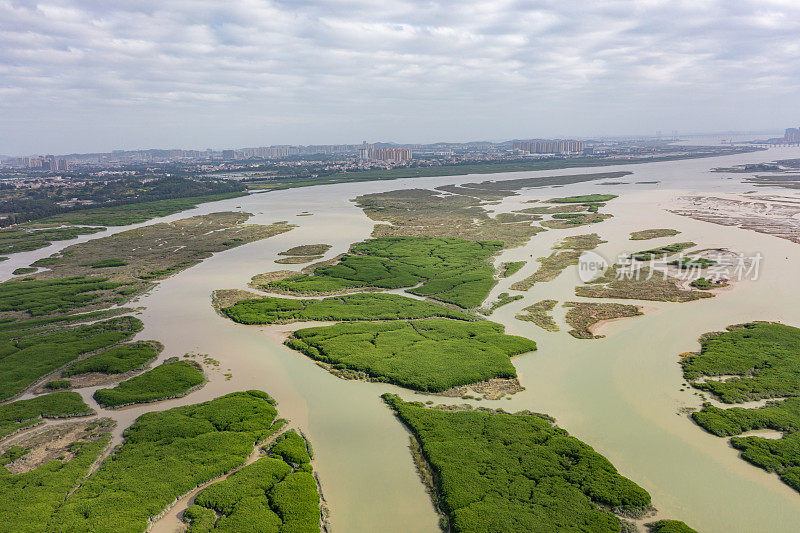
(86, 75)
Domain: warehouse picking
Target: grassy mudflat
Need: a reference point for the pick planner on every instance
(427, 355)
(34, 297)
(21, 239)
(115, 360)
(367, 306)
(539, 314)
(122, 215)
(647, 234)
(613, 284)
(172, 379)
(450, 270)
(297, 259)
(496, 471)
(567, 253)
(277, 493)
(583, 315)
(166, 454)
(502, 299)
(307, 249)
(571, 220)
(758, 360)
(510, 268)
(30, 353)
(26, 413)
(662, 251)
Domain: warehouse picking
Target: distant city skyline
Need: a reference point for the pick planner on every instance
(87, 76)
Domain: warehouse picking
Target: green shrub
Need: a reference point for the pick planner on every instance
(428, 355)
(510, 268)
(165, 454)
(106, 263)
(367, 306)
(24, 270)
(28, 353)
(115, 360)
(47, 297)
(450, 270)
(24, 413)
(28, 500)
(517, 472)
(58, 384)
(663, 251)
(670, 526)
(169, 380)
(291, 448)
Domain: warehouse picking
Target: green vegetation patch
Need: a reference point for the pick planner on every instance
(647, 234)
(106, 263)
(115, 360)
(510, 268)
(58, 384)
(274, 494)
(171, 379)
(517, 472)
(28, 354)
(685, 263)
(663, 251)
(582, 199)
(24, 270)
(186, 446)
(307, 249)
(583, 315)
(575, 221)
(669, 526)
(28, 500)
(21, 239)
(47, 297)
(539, 314)
(756, 360)
(450, 270)
(763, 359)
(25, 413)
(366, 306)
(502, 299)
(428, 355)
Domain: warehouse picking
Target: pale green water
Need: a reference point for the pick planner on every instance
(619, 394)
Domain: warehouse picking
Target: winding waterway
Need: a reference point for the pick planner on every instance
(621, 394)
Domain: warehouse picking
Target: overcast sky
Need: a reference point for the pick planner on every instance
(85, 75)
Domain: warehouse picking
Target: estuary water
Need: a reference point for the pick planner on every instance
(621, 394)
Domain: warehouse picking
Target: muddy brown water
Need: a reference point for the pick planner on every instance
(620, 394)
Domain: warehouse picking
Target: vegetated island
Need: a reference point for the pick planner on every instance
(429, 355)
(277, 492)
(24, 239)
(171, 379)
(617, 283)
(647, 234)
(662, 251)
(495, 471)
(510, 268)
(752, 361)
(502, 299)
(189, 446)
(539, 314)
(566, 253)
(454, 271)
(305, 253)
(583, 315)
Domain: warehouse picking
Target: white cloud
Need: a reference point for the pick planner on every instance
(247, 72)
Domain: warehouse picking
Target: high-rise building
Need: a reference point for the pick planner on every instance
(792, 135)
(394, 155)
(363, 151)
(550, 147)
(62, 164)
(229, 154)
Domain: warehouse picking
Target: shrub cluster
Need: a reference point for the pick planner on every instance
(451, 270)
(46, 297)
(23, 413)
(115, 360)
(172, 379)
(366, 306)
(517, 472)
(427, 355)
(164, 455)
